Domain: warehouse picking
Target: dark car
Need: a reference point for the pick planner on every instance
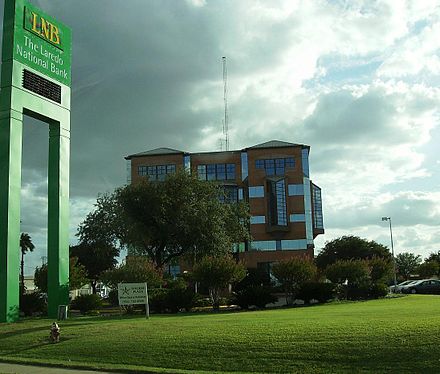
(427, 286)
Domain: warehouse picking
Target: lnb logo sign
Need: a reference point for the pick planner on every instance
(40, 26)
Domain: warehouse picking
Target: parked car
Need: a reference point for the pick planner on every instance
(426, 286)
(398, 287)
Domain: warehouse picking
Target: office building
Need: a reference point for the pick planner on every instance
(273, 177)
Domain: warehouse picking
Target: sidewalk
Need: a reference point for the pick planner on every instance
(6, 368)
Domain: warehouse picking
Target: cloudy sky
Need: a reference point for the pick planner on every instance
(358, 81)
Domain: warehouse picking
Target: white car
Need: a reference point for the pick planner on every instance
(398, 288)
(409, 285)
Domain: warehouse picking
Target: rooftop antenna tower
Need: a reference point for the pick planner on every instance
(225, 99)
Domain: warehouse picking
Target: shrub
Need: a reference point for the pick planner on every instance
(292, 274)
(322, 292)
(172, 299)
(259, 296)
(158, 299)
(112, 298)
(179, 296)
(33, 303)
(378, 290)
(359, 291)
(217, 273)
(86, 303)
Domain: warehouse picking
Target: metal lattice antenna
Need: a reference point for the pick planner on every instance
(225, 99)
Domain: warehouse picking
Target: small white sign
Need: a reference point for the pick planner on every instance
(132, 293)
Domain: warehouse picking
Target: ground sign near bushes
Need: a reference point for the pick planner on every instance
(134, 294)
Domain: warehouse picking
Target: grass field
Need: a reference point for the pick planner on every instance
(400, 335)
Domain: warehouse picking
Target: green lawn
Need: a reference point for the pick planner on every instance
(398, 335)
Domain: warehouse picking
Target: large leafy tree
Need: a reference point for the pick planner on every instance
(407, 264)
(165, 220)
(292, 274)
(350, 248)
(77, 275)
(26, 245)
(96, 257)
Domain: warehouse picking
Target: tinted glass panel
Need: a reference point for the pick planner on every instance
(270, 167)
(290, 162)
(201, 172)
(259, 164)
(210, 172)
(230, 171)
(221, 172)
(279, 166)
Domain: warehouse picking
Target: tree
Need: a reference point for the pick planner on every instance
(407, 264)
(428, 269)
(96, 257)
(217, 273)
(292, 274)
(137, 269)
(434, 257)
(77, 276)
(25, 246)
(165, 220)
(350, 248)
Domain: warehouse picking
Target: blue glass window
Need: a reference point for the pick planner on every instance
(257, 220)
(256, 191)
(277, 203)
(201, 172)
(221, 172)
(230, 171)
(161, 172)
(152, 173)
(259, 164)
(213, 172)
(229, 195)
(270, 167)
(210, 172)
(142, 171)
(244, 165)
(305, 161)
(317, 208)
(171, 169)
(290, 162)
(281, 203)
(294, 244)
(297, 217)
(279, 166)
(156, 172)
(296, 189)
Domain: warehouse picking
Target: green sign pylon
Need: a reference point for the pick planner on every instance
(35, 81)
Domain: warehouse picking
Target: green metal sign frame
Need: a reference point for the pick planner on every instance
(37, 44)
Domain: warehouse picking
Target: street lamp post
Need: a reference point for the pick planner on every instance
(392, 250)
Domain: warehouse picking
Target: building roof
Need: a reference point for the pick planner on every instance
(276, 144)
(170, 151)
(156, 152)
